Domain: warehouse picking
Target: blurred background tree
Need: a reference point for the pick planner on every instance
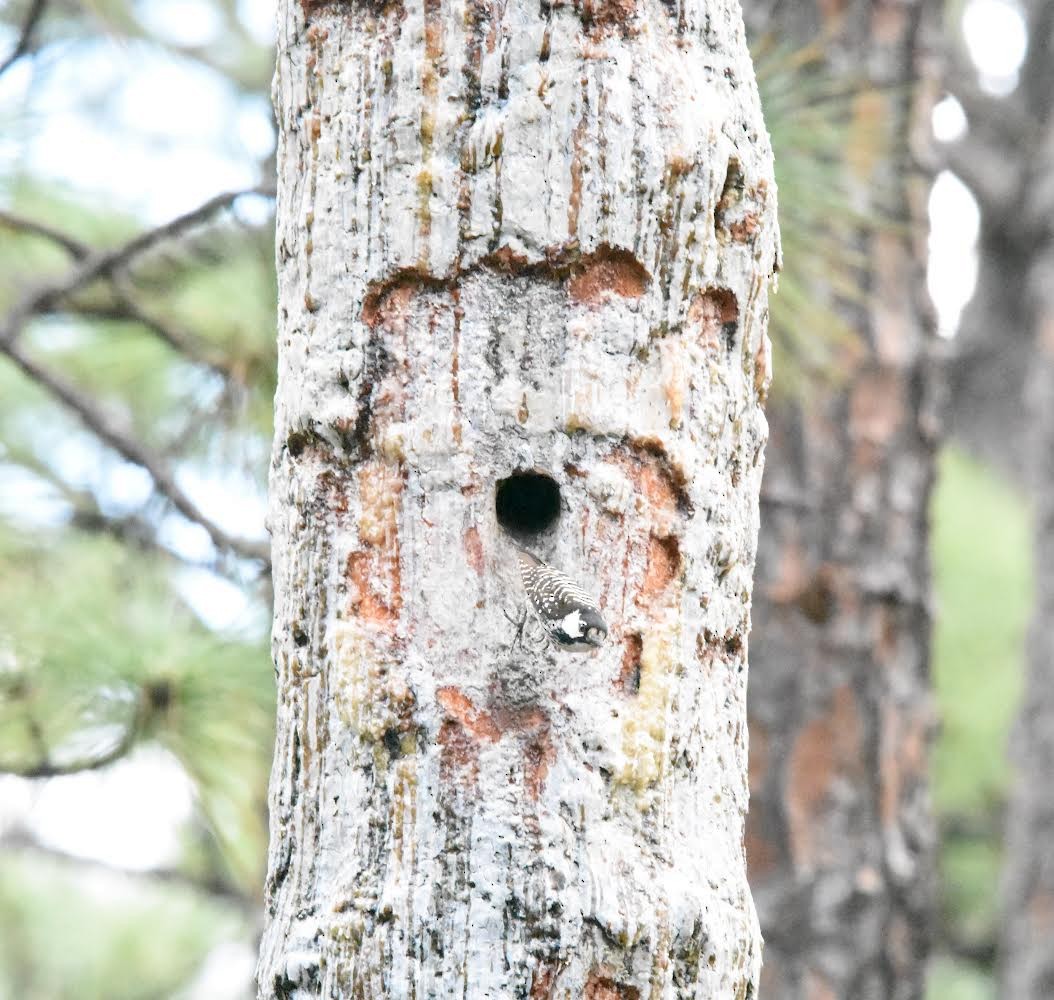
(137, 322)
(138, 300)
(840, 831)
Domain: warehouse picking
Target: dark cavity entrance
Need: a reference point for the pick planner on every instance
(527, 502)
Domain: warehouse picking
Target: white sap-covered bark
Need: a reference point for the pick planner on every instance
(515, 236)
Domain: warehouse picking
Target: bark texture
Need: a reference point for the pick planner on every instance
(1026, 227)
(1006, 158)
(515, 237)
(1004, 355)
(840, 832)
(1026, 955)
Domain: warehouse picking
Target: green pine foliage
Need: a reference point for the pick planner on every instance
(828, 149)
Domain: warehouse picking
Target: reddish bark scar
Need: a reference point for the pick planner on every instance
(602, 987)
(711, 314)
(459, 706)
(474, 550)
(608, 272)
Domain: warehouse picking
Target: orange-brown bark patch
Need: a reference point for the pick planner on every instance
(542, 982)
(759, 756)
(574, 200)
(433, 32)
(367, 573)
(814, 594)
(832, 9)
(607, 272)
(531, 724)
(710, 315)
(479, 725)
(1045, 337)
(791, 573)
(817, 600)
(658, 485)
(655, 478)
(876, 407)
(628, 680)
(609, 13)
(388, 302)
(827, 746)
(458, 754)
(905, 745)
(600, 986)
(474, 550)
(1040, 912)
(539, 754)
(507, 260)
(334, 488)
(745, 229)
(763, 854)
(662, 567)
(889, 21)
(817, 987)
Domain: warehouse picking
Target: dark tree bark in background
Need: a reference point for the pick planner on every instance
(840, 832)
(1007, 161)
(1006, 353)
(1026, 948)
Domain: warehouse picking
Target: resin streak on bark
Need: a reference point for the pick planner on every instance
(499, 248)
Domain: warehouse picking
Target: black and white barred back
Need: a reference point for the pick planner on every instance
(571, 618)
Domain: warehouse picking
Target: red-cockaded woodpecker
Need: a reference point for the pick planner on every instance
(570, 617)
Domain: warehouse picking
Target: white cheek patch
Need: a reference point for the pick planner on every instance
(572, 624)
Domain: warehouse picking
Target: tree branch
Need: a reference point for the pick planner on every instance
(25, 35)
(44, 768)
(92, 416)
(125, 307)
(211, 885)
(73, 247)
(105, 262)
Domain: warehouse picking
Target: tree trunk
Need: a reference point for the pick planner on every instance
(840, 830)
(994, 349)
(525, 245)
(1026, 960)
(1005, 353)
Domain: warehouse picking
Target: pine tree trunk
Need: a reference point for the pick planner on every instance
(1026, 224)
(1004, 356)
(840, 830)
(1026, 963)
(515, 238)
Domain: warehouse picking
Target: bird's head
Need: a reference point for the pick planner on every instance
(594, 628)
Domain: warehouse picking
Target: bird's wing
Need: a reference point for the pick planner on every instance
(552, 593)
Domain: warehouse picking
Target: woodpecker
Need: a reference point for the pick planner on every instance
(570, 617)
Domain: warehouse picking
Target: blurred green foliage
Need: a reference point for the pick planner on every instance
(982, 559)
(825, 148)
(106, 643)
(983, 581)
(123, 942)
